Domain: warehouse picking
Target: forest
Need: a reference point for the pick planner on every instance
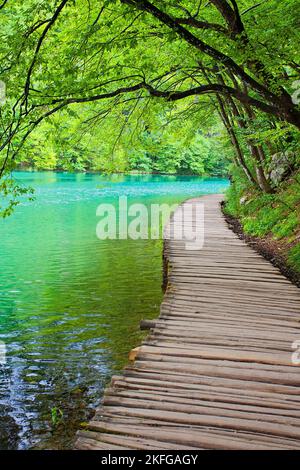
(114, 341)
(186, 87)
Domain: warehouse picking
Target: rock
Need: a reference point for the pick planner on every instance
(243, 200)
(281, 166)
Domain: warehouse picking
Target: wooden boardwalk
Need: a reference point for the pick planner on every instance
(216, 370)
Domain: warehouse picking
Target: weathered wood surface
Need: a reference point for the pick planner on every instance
(216, 370)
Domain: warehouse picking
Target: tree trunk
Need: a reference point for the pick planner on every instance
(234, 140)
(256, 151)
(239, 160)
(261, 177)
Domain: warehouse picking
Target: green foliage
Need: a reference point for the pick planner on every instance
(64, 143)
(286, 227)
(56, 416)
(274, 215)
(111, 87)
(294, 257)
(12, 194)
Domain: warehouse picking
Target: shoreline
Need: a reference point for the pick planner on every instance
(119, 173)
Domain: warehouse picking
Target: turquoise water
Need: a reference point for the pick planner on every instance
(70, 304)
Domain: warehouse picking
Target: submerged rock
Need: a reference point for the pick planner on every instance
(9, 430)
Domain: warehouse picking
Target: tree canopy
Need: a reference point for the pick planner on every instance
(123, 76)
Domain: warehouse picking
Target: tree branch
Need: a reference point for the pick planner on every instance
(203, 47)
(39, 45)
(253, 7)
(202, 24)
(3, 4)
(36, 26)
(213, 88)
(231, 15)
(177, 95)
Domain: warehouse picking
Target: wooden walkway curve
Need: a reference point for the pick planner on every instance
(216, 370)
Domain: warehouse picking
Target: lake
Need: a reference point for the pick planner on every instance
(70, 304)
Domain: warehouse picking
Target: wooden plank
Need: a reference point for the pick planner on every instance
(288, 378)
(198, 438)
(216, 370)
(212, 400)
(199, 409)
(171, 349)
(111, 440)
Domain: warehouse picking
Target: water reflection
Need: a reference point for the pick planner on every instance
(70, 304)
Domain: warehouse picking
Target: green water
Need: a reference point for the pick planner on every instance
(70, 304)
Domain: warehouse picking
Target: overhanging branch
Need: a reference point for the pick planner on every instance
(202, 25)
(217, 55)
